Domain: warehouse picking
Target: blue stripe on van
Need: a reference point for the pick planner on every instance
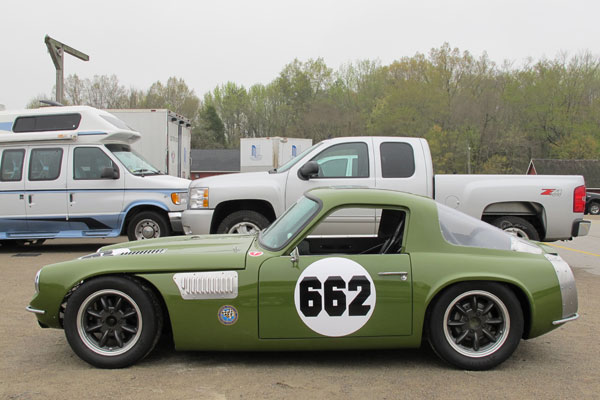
(6, 126)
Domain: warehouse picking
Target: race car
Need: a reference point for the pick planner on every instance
(417, 271)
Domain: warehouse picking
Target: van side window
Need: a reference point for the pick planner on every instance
(347, 160)
(12, 165)
(44, 164)
(41, 123)
(89, 162)
(397, 160)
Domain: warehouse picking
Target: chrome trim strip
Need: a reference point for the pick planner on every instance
(566, 281)
(35, 310)
(562, 321)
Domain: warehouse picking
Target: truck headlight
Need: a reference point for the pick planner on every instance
(179, 198)
(198, 198)
(36, 281)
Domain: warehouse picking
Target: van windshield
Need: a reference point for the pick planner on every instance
(134, 162)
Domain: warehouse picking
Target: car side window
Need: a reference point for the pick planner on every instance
(389, 238)
(347, 160)
(397, 160)
(12, 165)
(89, 162)
(44, 164)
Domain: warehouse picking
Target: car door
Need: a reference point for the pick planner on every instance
(46, 190)
(13, 217)
(340, 164)
(95, 197)
(335, 296)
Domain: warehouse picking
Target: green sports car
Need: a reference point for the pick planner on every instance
(416, 270)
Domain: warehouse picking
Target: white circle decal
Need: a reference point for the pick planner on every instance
(335, 296)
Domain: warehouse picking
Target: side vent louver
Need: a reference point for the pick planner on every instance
(207, 285)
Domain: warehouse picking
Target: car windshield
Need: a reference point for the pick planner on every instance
(276, 236)
(463, 230)
(132, 161)
(294, 160)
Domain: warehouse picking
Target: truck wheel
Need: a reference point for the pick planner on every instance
(147, 225)
(244, 222)
(517, 226)
(112, 322)
(594, 208)
(475, 325)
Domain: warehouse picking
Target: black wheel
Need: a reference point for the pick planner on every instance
(475, 325)
(147, 225)
(517, 226)
(594, 208)
(243, 222)
(112, 322)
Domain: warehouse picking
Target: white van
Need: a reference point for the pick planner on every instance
(69, 172)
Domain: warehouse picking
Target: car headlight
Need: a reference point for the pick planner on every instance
(198, 198)
(179, 198)
(36, 281)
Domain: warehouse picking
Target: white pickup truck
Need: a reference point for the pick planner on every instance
(536, 207)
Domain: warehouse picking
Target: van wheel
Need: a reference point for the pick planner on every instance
(475, 325)
(147, 225)
(30, 242)
(243, 222)
(517, 226)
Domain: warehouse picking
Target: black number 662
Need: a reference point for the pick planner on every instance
(311, 300)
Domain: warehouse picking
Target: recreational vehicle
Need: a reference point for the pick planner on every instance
(69, 172)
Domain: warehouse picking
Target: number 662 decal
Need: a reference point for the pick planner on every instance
(335, 296)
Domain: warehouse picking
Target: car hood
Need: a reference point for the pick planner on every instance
(178, 253)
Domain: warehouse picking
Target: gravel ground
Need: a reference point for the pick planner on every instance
(38, 363)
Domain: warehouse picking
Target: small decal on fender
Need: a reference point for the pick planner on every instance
(551, 192)
(228, 315)
(255, 253)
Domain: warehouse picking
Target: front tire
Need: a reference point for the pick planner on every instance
(147, 225)
(112, 322)
(475, 325)
(243, 222)
(517, 226)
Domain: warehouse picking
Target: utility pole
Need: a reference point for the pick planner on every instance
(57, 50)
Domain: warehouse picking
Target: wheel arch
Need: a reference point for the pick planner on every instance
(225, 208)
(516, 289)
(133, 210)
(532, 212)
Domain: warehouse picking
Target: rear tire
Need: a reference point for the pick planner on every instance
(594, 208)
(517, 226)
(243, 222)
(112, 322)
(475, 325)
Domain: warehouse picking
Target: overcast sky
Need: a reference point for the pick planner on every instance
(208, 43)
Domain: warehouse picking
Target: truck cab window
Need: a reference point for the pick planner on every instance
(89, 162)
(397, 160)
(12, 165)
(44, 164)
(347, 160)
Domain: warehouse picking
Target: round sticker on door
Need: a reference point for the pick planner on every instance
(335, 296)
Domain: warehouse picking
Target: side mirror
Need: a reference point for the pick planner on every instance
(295, 257)
(109, 173)
(308, 170)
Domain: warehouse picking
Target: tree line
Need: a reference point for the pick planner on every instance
(477, 115)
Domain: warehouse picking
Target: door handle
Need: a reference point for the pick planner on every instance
(402, 275)
(71, 197)
(30, 198)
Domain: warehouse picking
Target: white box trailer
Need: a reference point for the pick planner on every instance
(166, 138)
(262, 154)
